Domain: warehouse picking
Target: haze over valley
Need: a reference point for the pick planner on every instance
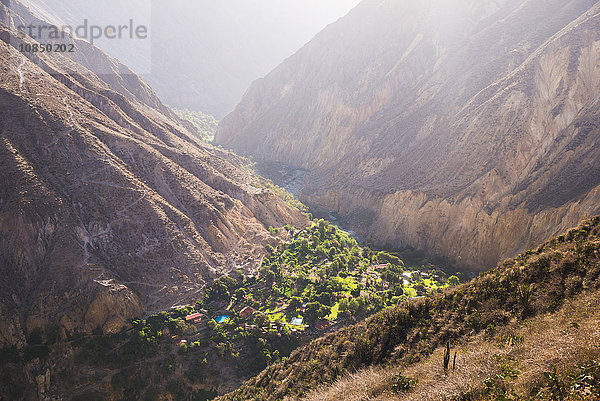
(203, 54)
(279, 200)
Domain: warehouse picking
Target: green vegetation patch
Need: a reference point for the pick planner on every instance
(204, 123)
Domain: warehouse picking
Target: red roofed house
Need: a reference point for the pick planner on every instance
(246, 311)
(195, 317)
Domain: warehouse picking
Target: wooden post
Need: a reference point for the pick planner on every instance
(447, 357)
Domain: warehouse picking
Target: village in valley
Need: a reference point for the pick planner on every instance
(316, 280)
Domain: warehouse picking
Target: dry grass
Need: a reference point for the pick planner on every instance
(376, 383)
(363, 385)
(565, 339)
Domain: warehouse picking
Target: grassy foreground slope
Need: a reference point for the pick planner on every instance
(522, 308)
(549, 357)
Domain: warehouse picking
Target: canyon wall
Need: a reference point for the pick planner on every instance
(109, 206)
(469, 131)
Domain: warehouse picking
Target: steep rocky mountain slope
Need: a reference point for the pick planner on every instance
(227, 44)
(108, 205)
(520, 330)
(467, 128)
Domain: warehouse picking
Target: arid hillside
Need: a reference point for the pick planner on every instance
(109, 207)
(469, 131)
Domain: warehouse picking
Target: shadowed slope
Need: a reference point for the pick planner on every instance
(108, 205)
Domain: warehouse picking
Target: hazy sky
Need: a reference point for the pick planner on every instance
(285, 23)
(220, 47)
(202, 54)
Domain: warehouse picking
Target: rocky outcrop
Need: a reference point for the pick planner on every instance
(109, 208)
(470, 132)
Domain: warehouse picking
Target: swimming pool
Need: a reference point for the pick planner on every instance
(221, 318)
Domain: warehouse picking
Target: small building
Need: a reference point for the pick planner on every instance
(297, 321)
(247, 311)
(194, 317)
